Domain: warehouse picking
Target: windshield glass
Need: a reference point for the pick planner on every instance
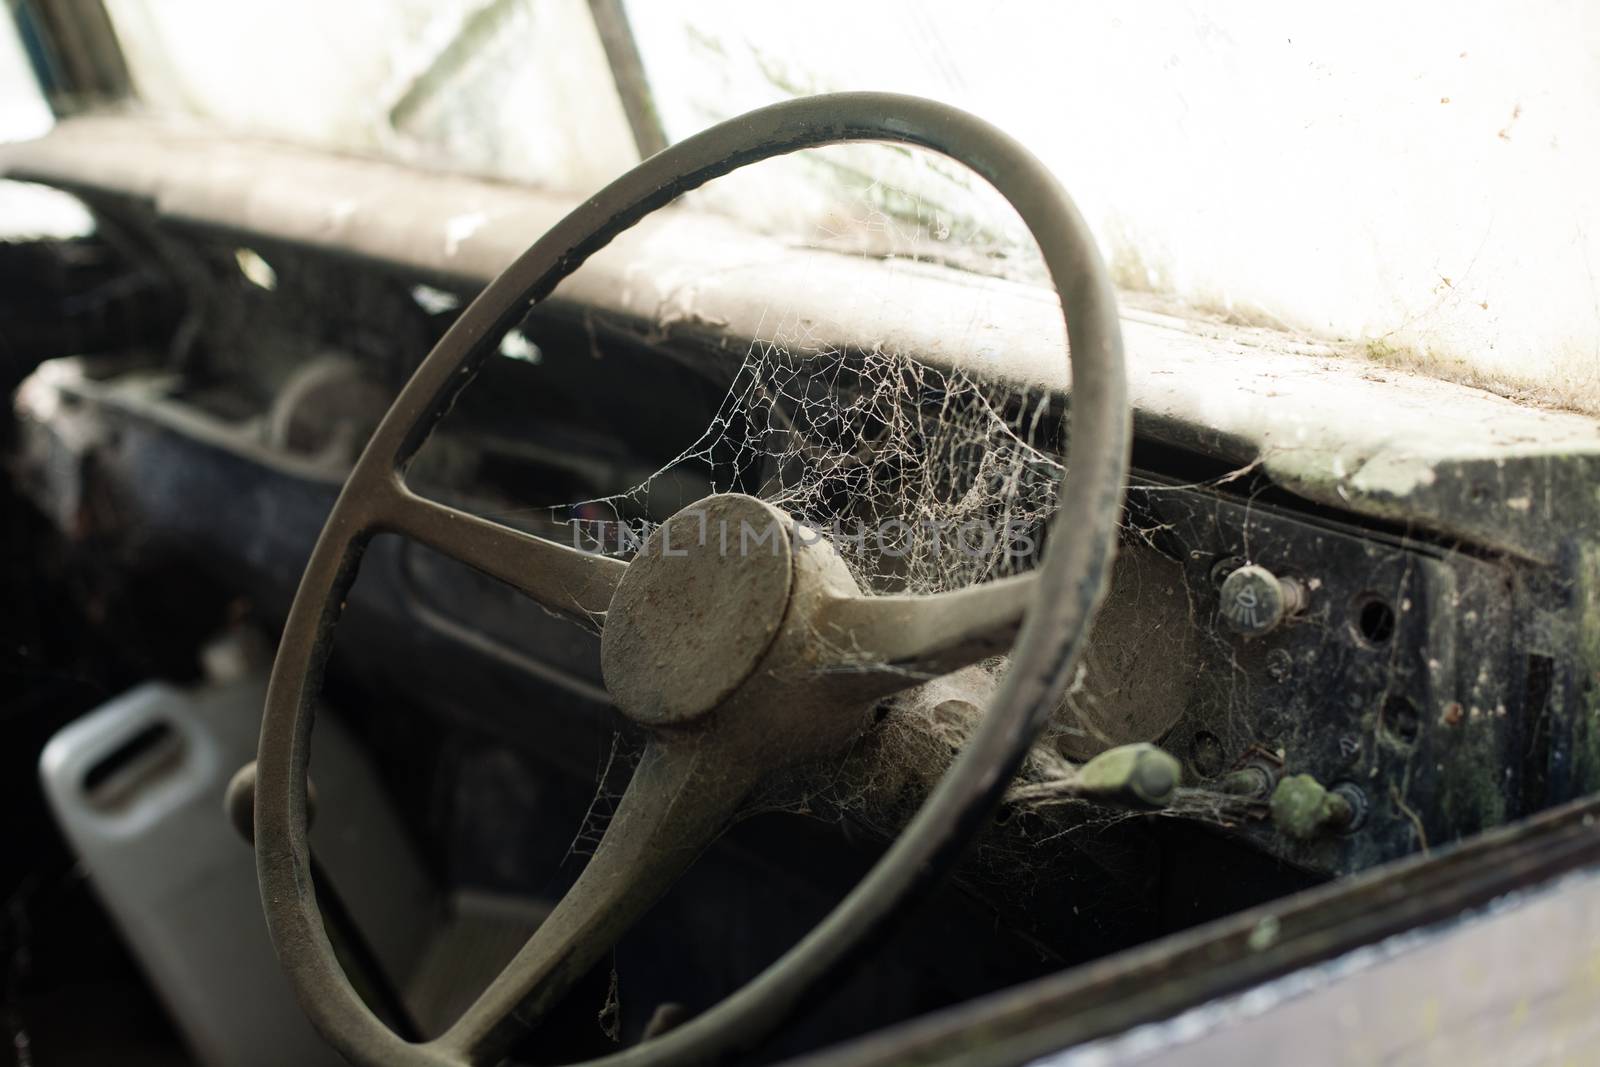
(1416, 184)
(511, 88)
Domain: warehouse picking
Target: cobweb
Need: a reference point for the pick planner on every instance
(926, 479)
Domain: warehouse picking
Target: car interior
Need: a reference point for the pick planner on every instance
(546, 531)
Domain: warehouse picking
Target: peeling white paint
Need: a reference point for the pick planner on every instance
(461, 228)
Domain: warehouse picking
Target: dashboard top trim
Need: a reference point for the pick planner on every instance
(1321, 422)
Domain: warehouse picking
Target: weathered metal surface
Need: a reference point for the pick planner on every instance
(1159, 981)
(1144, 656)
(627, 70)
(1321, 421)
(1428, 679)
(1514, 983)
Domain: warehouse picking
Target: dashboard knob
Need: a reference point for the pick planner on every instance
(1255, 601)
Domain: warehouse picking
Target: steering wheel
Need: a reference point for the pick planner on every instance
(737, 662)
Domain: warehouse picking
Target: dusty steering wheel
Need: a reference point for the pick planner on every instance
(738, 663)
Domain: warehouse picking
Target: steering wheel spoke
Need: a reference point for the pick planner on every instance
(565, 580)
(681, 798)
(897, 642)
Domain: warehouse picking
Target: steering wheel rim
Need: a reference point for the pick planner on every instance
(1071, 578)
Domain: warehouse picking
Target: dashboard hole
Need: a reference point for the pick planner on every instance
(1375, 621)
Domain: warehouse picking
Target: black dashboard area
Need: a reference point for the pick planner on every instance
(1420, 680)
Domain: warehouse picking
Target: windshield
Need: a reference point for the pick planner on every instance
(1416, 184)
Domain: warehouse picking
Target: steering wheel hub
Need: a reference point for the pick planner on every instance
(697, 610)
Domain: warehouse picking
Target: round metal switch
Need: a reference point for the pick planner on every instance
(1255, 601)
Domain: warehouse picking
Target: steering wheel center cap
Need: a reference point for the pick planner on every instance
(697, 609)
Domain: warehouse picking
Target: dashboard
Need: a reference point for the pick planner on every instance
(1360, 644)
(1409, 674)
